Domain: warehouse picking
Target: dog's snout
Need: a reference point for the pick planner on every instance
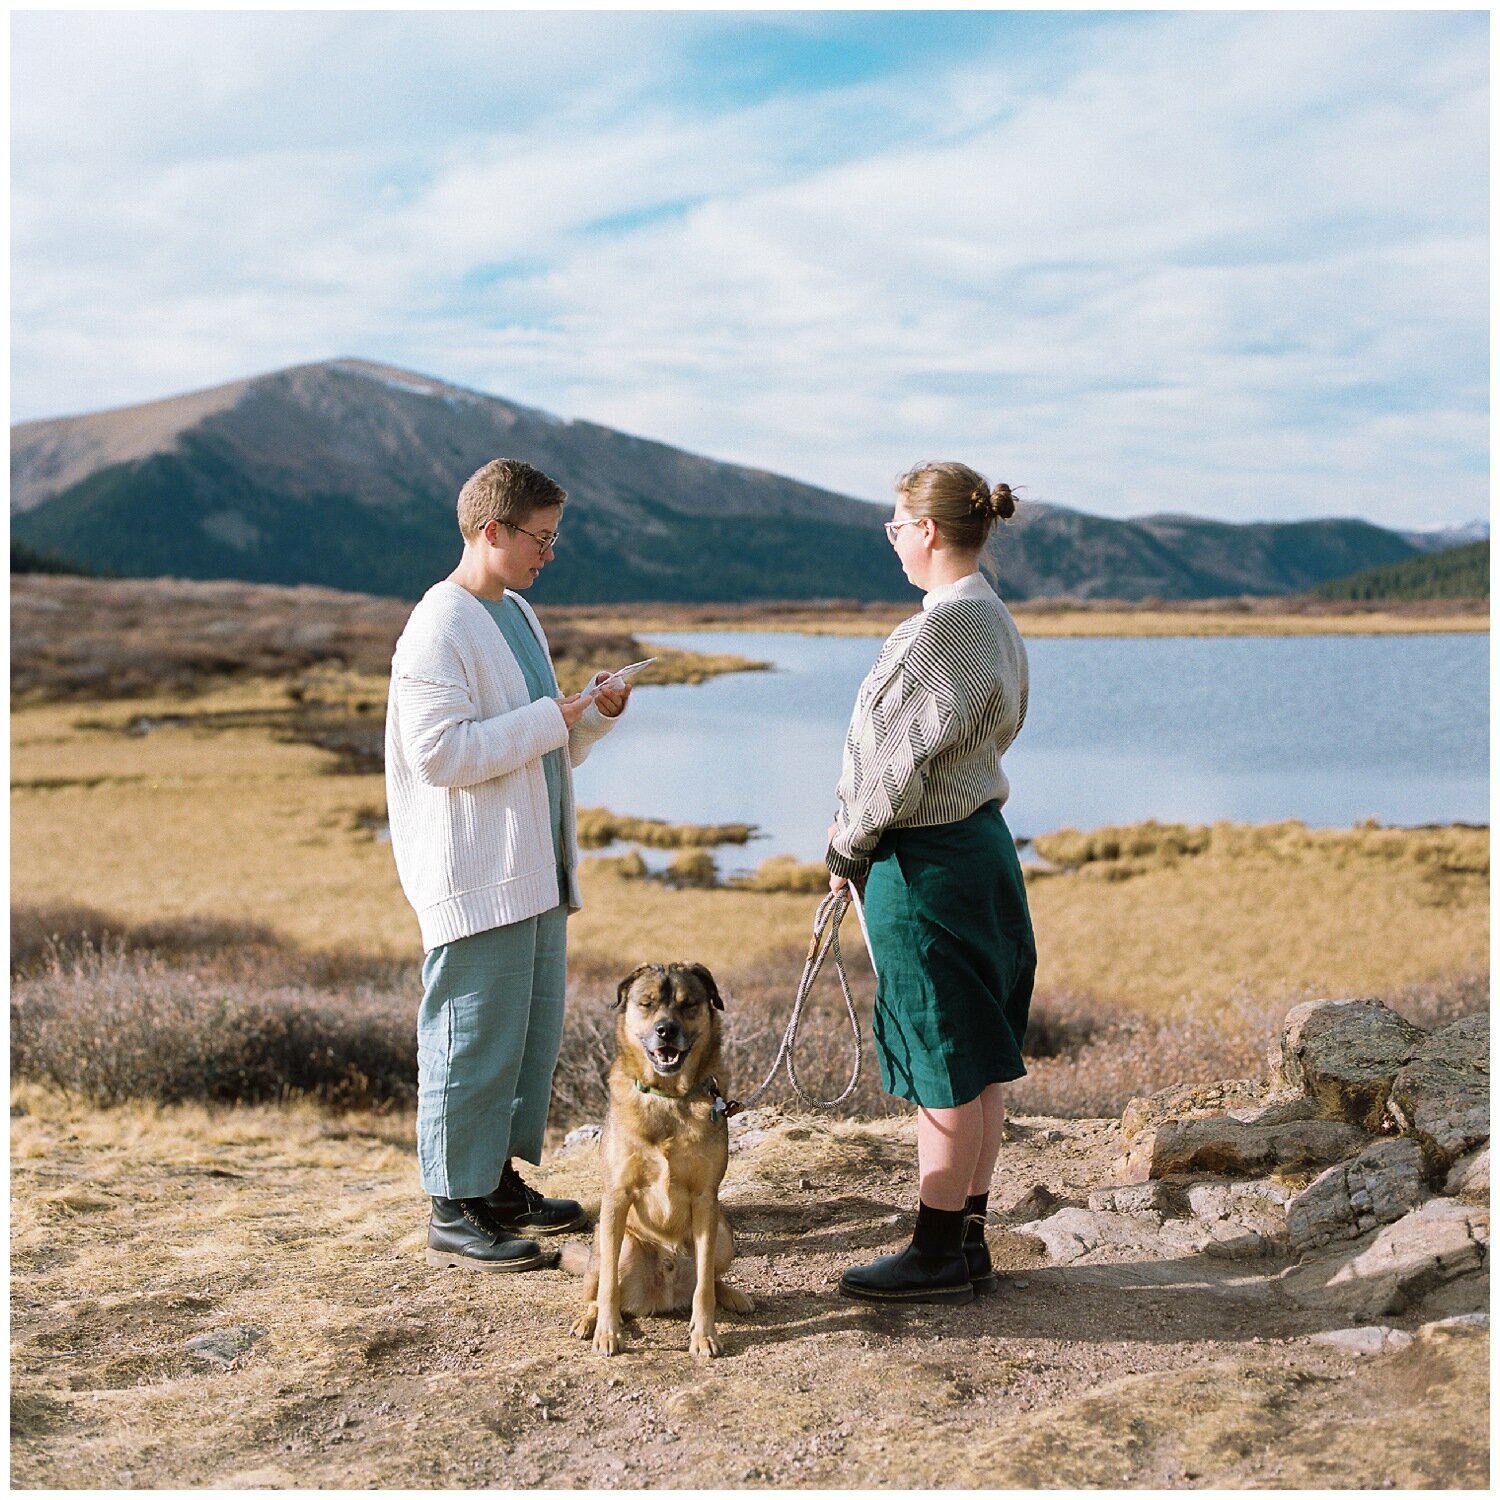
(664, 1029)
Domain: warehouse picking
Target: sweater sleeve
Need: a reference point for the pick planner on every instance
(588, 731)
(447, 745)
(930, 702)
(592, 725)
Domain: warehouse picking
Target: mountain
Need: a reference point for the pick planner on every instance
(345, 474)
(1454, 573)
(1443, 537)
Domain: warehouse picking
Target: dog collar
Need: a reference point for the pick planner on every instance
(721, 1109)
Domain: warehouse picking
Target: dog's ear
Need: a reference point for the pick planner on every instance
(623, 992)
(714, 998)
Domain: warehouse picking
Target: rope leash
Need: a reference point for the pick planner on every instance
(825, 940)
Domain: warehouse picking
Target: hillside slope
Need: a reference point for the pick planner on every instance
(344, 474)
(1458, 573)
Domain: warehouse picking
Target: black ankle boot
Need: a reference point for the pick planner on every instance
(516, 1206)
(931, 1269)
(976, 1252)
(462, 1232)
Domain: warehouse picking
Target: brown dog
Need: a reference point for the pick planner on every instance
(662, 1243)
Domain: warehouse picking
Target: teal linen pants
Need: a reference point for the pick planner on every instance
(488, 1034)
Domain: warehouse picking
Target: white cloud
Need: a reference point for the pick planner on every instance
(1233, 264)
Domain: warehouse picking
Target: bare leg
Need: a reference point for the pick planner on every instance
(949, 1143)
(992, 1102)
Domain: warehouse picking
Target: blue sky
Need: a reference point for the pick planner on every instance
(1232, 264)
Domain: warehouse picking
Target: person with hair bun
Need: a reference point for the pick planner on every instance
(919, 828)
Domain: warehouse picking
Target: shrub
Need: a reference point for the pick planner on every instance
(695, 868)
(180, 1011)
(112, 1025)
(783, 872)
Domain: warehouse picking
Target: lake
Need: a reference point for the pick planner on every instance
(1328, 729)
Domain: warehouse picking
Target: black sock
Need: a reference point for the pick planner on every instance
(938, 1229)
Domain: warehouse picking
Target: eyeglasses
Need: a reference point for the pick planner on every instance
(892, 527)
(543, 539)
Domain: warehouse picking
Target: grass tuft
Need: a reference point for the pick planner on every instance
(598, 828)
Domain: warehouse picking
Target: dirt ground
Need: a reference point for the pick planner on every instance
(138, 1230)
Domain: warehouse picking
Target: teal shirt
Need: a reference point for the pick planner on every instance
(540, 683)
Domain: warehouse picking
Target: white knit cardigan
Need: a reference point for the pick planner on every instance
(467, 795)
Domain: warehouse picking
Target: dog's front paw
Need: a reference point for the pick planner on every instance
(608, 1341)
(731, 1299)
(703, 1341)
(583, 1328)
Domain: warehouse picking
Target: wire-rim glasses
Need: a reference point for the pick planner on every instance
(544, 539)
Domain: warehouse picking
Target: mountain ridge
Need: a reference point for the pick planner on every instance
(344, 473)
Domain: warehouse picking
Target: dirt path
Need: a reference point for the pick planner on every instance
(136, 1231)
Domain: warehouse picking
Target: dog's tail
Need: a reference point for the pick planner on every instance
(575, 1257)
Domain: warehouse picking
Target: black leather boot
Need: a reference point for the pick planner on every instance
(515, 1206)
(976, 1252)
(463, 1232)
(931, 1269)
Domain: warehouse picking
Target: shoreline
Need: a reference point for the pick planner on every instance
(1043, 620)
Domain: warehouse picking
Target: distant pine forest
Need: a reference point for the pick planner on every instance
(1457, 573)
(26, 559)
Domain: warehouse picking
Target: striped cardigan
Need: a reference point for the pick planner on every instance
(941, 705)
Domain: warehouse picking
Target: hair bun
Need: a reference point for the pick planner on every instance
(1001, 502)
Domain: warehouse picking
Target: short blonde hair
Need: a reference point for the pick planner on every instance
(958, 500)
(505, 490)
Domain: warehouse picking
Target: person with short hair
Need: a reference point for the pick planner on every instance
(480, 747)
(919, 827)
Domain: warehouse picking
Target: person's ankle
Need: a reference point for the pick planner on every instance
(939, 1230)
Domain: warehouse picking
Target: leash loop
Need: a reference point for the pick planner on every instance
(825, 940)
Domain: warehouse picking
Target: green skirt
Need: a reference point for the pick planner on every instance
(951, 934)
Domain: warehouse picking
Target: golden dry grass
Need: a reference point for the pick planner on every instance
(230, 823)
(1064, 619)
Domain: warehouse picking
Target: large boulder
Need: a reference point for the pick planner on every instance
(1437, 1255)
(1441, 1095)
(1380, 1185)
(1344, 1054)
(1228, 1147)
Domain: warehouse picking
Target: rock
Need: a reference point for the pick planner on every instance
(1380, 1185)
(1460, 1320)
(1069, 1234)
(1344, 1054)
(584, 1135)
(1277, 1111)
(1036, 1203)
(225, 1345)
(1441, 1095)
(1469, 1177)
(1224, 1146)
(1230, 1241)
(1436, 1253)
(1134, 1198)
(1376, 1339)
(1239, 1218)
(1184, 1102)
